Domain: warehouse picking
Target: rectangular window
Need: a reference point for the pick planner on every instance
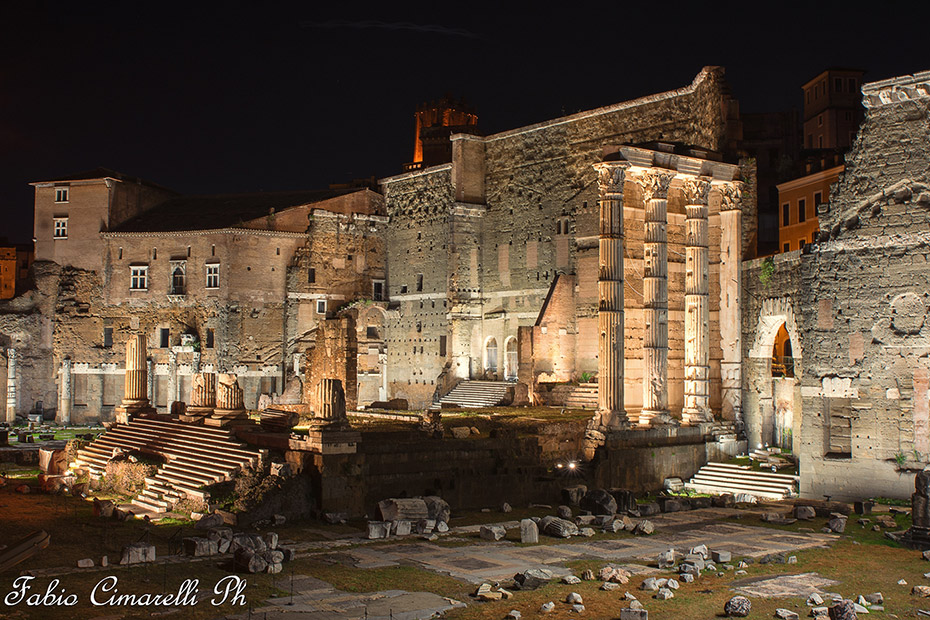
(820, 120)
(61, 194)
(442, 346)
(403, 289)
(107, 337)
(377, 290)
(311, 275)
(787, 247)
(785, 214)
(209, 344)
(818, 198)
(61, 228)
(164, 337)
(802, 210)
(138, 277)
(810, 141)
(801, 244)
(419, 282)
(213, 275)
(321, 306)
(851, 83)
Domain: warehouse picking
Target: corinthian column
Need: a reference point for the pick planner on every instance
(610, 411)
(655, 186)
(731, 195)
(697, 309)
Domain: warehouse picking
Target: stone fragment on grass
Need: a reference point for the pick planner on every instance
(85, 563)
(738, 607)
(492, 532)
(844, 610)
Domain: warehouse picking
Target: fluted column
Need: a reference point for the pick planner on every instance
(655, 186)
(11, 399)
(135, 394)
(731, 255)
(136, 372)
(64, 397)
(330, 402)
(203, 390)
(697, 308)
(610, 410)
(172, 377)
(228, 393)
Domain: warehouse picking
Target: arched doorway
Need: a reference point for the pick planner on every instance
(772, 403)
(490, 357)
(511, 361)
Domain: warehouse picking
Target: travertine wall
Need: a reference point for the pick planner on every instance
(491, 231)
(864, 296)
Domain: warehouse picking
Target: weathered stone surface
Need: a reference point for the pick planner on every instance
(644, 527)
(492, 532)
(721, 557)
(599, 502)
(437, 508)
(837, 525)
(103, 508)
(563, 512)
(559, 528)
(738, 607)
(402, 527)
(200, 547)
(804, 512)
(844, 610)
(664, 594)
(547, 608)
(412, 509)
(247, 560)
(570, 580)
(666, 559)
(138, 553)
(532, 579)
(209, 521)
(529, 531)
(85, 563)
(649, 509)
(379, 529)
(786, 614)
(629, 613)
(573, 495)
(573, 598)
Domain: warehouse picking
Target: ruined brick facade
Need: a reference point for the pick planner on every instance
(215, 283)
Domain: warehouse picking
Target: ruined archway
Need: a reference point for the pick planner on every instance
(772, 401)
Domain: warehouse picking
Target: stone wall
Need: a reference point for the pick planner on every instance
(865, 291)
(491, 232)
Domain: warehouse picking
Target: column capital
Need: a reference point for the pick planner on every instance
(655, 183)
(610, 176)
(695, 190)
(731, 195)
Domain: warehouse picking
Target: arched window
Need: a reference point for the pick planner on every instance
(511, 362)
(491, 355)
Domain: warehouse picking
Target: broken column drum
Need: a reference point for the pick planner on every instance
(697, 308)
(203, 391)
(610, 410)
(655, 187)
(228, 393)
(330, 402)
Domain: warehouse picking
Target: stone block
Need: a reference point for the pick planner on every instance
(197, 547)
(628, 613)
(492, 532)
(529, 531)
(402, 527)
(574, 494)
(379, 529)
(138, 553)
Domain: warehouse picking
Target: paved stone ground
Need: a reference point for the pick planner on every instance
(485, 561)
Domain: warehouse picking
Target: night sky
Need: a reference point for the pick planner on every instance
(234, 98)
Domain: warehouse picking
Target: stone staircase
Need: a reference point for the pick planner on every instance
(193, 456)
(582, 396)
(476, 394)
(720, 478)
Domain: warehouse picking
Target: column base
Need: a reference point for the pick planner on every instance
(127, 411)
(195, 415)
(226, 417)
(652, 417)
(693, 417)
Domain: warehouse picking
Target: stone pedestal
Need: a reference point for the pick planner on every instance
(135, 396)
(229, 408)
(202, 398)
(918, 535)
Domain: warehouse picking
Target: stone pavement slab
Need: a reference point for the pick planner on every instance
(783, 586)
